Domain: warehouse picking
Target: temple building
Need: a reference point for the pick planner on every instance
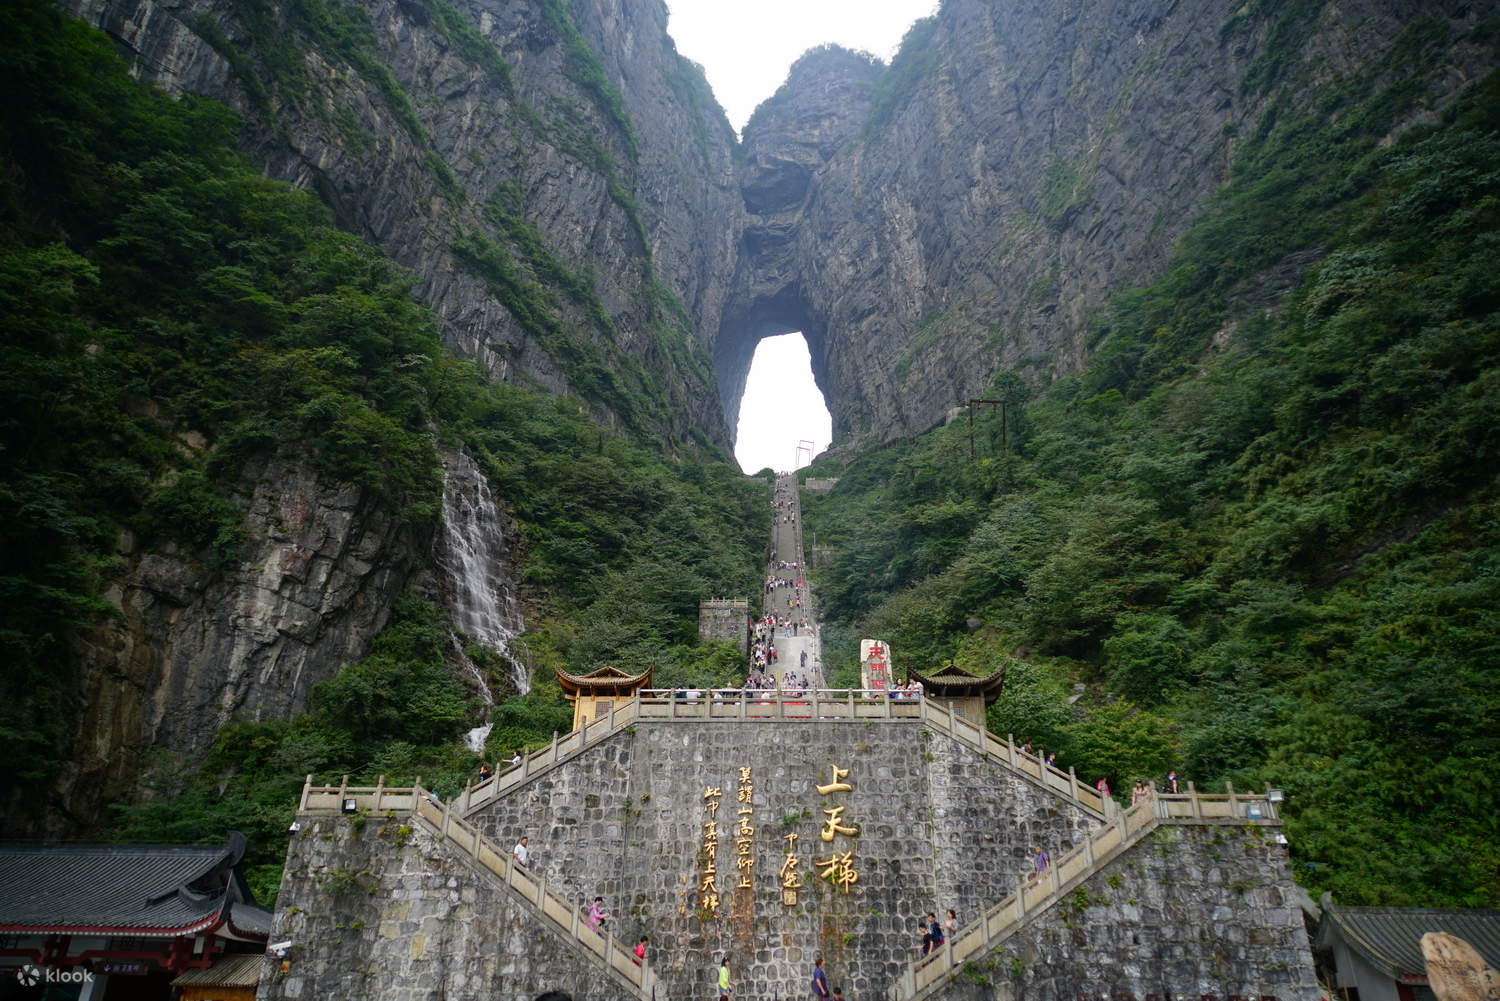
(594, 693)
(968, 694)
(123, 922)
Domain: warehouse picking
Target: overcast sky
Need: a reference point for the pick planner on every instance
(745, 49)
(781, 407)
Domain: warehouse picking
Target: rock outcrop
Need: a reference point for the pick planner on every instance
(555, 174)
(195, 646)
(1018, 162)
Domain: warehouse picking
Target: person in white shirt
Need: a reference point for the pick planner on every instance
(520, 851)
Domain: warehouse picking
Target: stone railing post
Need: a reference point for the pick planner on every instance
(306, 791)
(379, 792)
(1234, 803)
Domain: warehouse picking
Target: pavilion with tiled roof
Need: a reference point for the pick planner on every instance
(143, 911)
(594, 693)
(967, 693)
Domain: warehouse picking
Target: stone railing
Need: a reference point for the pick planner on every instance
(1028, 765)
(1127, 827)
(562, 915)
(814, 705)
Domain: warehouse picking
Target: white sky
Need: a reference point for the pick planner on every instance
(781, 407)
(746, 46)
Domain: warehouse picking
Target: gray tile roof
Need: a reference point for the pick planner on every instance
(1391, 937)
(139, 888)
(234, 970)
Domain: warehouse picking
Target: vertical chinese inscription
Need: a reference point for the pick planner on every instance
(838, 867)
(708, 883)
(744, 832)
(791, 880)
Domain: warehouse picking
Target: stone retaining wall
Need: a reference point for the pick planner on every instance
(381, 913)
(379, 910)
(939, 827)
(1201, 912)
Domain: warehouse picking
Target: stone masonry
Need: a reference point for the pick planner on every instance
(725, 619)
(379, 912)
(1201, 911)
(939, 827)
(378, 909)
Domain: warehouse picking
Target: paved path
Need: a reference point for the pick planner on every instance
(786, 547)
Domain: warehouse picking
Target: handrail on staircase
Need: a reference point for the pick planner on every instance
(1040, 890)
(443, 823)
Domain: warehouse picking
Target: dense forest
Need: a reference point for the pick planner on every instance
(1257, 535)
(169, 315)
(1260, 538)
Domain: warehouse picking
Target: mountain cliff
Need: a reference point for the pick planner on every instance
(1019, 162)
(223, 458)
(554, 174)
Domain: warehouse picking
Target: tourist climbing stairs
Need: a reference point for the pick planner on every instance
(923, 978)
(557, 913)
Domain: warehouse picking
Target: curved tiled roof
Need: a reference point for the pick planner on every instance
(608, 679)
(238, 969)
(951, 679)
(140, 890)
(1391, 937)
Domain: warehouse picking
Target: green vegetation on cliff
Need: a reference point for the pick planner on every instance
(1265, 540)
(170, 317)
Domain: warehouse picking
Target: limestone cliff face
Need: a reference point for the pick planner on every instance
(792, 137)
(1019, 161)
(523, 160)
(424, 125)
(193, 647)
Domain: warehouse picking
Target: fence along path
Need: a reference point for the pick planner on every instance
(817, 705)
(559, 913)
(921, 979)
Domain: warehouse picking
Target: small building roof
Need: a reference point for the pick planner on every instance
(1390, 938)
(952, 681)
(144, 891)
(607, 680)
(238, 969)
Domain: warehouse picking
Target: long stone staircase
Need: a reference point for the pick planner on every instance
(926, 977)
(554, 911)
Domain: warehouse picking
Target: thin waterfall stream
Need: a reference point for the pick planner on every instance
(475, 557)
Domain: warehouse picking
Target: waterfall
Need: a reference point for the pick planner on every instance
(475, 556)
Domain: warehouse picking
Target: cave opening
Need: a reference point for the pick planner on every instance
(781, 407)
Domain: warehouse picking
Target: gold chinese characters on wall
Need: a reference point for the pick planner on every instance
(838, 867)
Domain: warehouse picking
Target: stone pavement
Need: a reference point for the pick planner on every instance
(786, 547)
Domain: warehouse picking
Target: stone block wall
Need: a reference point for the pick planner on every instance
(1199, 912)
(725, 619)
(939, 826)
(379, 910)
